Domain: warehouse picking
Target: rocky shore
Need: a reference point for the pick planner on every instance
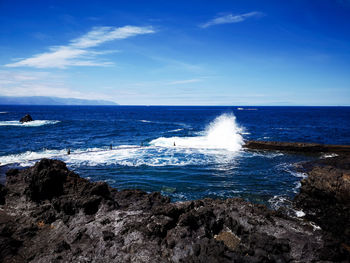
(50, 214)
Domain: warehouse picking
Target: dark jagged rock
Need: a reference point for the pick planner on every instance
(296, 147)
(325, 196)
(80, 221)
(26, 118)
(3, 192)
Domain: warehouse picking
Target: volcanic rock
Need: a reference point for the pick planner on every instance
(26, 118)
(296, 147)
(325, 195)
(50, 214)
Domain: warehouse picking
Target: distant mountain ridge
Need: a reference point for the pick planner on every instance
(43, 100)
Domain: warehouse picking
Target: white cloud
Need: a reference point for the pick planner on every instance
(77, 53)
(103, 34)
(230, 18)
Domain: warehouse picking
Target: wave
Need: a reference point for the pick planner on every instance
(269, 155)
(167, 123)
(222, 133)
(127, 155)
(28, 124)
(247, 109)
(176, 130)
(3, 112)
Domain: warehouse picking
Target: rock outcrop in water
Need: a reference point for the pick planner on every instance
(50, 214)
(26, 118)
(296, 147)
(325, 194)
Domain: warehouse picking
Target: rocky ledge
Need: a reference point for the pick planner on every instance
(50, 214)
(297, 147)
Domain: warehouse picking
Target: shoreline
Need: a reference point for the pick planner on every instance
(50, 214)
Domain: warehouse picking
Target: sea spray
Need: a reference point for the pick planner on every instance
(222, 133)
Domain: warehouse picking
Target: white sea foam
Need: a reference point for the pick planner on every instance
(28, 124)
(124, 155)
(270, 155)
(28, 158)
(329, 155)
(176, 130)
(222, 133)
(289, 168)
(299, 213)
(279, 201)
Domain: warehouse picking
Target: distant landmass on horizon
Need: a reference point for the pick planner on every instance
(43, 100)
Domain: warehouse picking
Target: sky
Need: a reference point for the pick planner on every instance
(239, 52)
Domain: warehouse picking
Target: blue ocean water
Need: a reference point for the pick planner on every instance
(206, 161)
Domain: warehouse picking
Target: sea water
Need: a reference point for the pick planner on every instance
(184, 152)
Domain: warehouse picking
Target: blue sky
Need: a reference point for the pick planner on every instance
(178, 52)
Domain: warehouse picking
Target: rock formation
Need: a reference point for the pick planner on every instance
(325, 196)
(296, 147)
(26, 118)
(50, 214)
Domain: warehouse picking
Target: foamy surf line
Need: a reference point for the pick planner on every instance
(132, 156)
(29, 157)
(28, 124)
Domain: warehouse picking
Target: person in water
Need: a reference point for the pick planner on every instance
(68, 152)
(174, 144)
(110, 147)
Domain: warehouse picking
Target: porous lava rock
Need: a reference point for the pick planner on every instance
(325, 196)
(50, 214)
(300, 147)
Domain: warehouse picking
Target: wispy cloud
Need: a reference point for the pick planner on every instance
(22, 83)
(185, 81)
(230, 18)
(78, 52)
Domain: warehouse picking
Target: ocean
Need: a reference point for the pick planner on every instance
(184, 152)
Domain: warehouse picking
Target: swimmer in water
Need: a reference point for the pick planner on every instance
(174, 144)
(68, 152)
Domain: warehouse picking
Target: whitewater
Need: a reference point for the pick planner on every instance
(219, 142)
(222, 133)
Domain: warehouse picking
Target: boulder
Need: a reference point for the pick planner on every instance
(26, 118)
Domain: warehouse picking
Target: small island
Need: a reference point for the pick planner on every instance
(26, 118)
